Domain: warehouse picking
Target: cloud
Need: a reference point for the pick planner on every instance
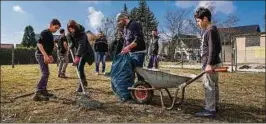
(96, 2)
(225, 7)
(13, 38)
(186, 4)
(17, 8)
(94, 18)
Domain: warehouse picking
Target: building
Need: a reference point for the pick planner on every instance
(250, 48)
(227, 44)
(6, 46)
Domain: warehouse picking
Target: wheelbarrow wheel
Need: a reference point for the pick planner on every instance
(142, 96)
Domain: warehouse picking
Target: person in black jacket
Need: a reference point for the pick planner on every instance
(153, 50)
(133, 40)
(63, 54)
(101, 49)
(78, 40)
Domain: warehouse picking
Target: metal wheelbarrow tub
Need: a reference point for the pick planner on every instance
(159, 79)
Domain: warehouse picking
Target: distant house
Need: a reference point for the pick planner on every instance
(225, 33)
(250, 48)
(6, 46)
(189, 46)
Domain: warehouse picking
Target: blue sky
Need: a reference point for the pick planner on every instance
(15, 15)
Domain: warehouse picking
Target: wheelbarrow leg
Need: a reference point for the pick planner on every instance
(173, 101)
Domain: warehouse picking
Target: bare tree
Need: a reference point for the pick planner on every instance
(108, 27)
(176, 23)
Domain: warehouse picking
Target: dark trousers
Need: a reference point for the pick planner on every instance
(153, 62)
(137, 61)
(81, 66)
(42, 84)
(100, 57)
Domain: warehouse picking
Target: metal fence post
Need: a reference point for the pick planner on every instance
(232, 54)
(13, 56)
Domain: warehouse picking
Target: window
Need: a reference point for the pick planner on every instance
(252, 41)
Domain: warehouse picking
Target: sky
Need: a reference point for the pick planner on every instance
(16, 15)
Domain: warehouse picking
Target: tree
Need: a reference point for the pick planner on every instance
(29, 37)
(108, 27)
(125, 8)
(176, 23)
(146, 18)
(133, 14)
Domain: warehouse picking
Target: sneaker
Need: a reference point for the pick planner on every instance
(206, 113)
(122, 100)
(85, 83)
(46, 93)
(103, 73)
(97, 73)
(38, 96)
(79, 89)
(63, 76)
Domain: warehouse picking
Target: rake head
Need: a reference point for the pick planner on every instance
(84, 101)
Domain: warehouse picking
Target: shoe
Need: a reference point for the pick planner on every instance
(206, 113)
(84, 82)
(79, 89)
(126, 100)
(97, 73)
(217, 109)
(103, 73)
(122, 100)
(38, 96)
(63, 76)
(46, 93)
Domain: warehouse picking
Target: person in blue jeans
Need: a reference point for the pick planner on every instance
(101, 49)
(134, 43)
(153, 50)
(43, 54)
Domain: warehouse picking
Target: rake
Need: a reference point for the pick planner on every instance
(84, 101)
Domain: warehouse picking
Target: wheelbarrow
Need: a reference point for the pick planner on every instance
(142, 92)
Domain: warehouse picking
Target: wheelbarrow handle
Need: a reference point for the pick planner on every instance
(221, 69)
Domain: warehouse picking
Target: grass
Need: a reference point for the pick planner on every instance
(242, 99)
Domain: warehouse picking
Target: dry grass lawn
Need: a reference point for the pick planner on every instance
(242, 99)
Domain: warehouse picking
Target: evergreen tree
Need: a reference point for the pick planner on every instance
(125, 8)
(146, 18)
(29, 37)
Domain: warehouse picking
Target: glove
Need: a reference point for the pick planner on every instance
(126, 50)
(76, 60)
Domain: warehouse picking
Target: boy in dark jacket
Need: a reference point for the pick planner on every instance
(210, 50)
(78, 40)
(44, 56)
(101, 49)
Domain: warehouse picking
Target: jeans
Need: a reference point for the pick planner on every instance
(42, 84)
(137, 61)
(153, 62)
(100, 56)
